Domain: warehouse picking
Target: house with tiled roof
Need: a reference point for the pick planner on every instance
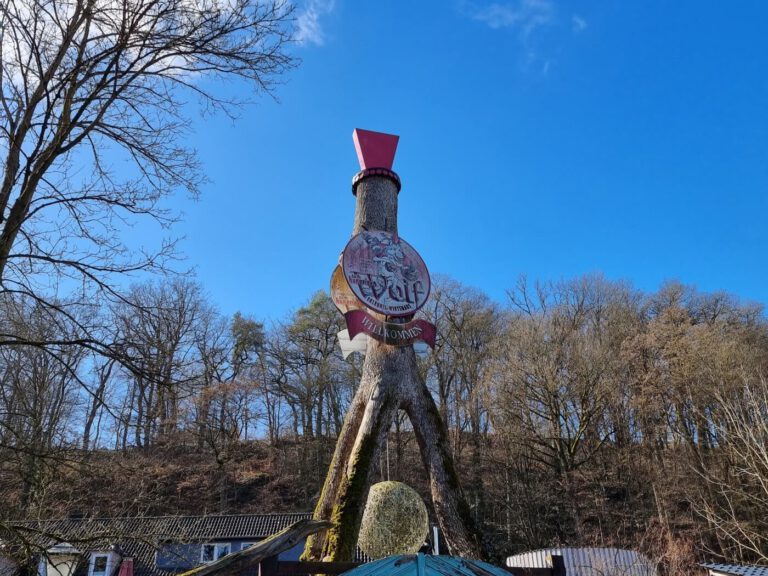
(144, 546)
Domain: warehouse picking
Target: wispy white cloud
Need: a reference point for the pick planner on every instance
(309, 29)
(536, 62)
(523, 15)
(578, 23)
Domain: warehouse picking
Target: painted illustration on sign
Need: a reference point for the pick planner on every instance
(386, 273)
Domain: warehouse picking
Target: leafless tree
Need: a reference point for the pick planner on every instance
(86, 85)
(159, 326)
(734, 498)
(96, 398)
(558, 370)
(310, 372)
(38, 398)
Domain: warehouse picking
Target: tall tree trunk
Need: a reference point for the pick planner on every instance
(453, 513)
(97, 401)
(140, 401)
(390, 380)
(336, 472)
(151, 412)
(380, 386)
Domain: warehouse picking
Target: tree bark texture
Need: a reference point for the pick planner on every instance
(390, 381)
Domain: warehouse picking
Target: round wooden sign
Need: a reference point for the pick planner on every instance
(386, 273)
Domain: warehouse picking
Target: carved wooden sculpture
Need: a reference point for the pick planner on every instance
(390, 381)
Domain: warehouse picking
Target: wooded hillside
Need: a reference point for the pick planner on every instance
(582, 412)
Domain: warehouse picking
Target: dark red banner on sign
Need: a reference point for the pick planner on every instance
(388, 332)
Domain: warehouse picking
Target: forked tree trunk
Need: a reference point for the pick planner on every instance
(390, 381)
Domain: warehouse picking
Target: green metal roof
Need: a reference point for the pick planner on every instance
(426, 565)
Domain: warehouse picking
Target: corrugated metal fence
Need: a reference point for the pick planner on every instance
(588, 561)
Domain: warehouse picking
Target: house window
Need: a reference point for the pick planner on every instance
(245, 545)
(212, 552)
(99, 565)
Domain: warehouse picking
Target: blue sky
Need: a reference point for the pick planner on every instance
(537, 137)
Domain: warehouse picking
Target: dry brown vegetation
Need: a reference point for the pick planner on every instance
(580, 413)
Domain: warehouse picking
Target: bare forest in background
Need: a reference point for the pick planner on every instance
(581, 412)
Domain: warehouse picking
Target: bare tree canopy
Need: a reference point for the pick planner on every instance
(91, 84)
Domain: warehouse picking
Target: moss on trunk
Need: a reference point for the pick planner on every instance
(341, 538)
